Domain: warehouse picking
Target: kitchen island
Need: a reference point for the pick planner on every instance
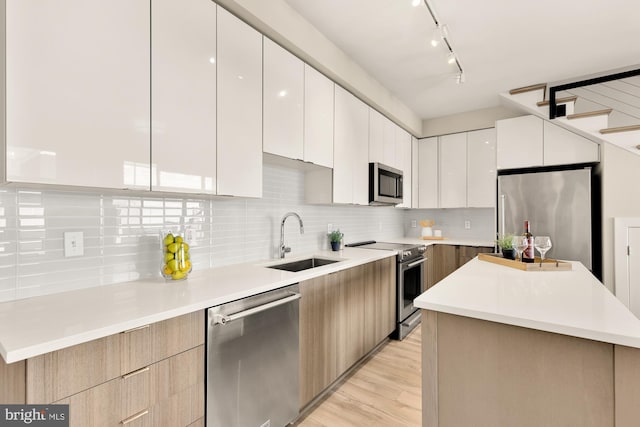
(505, 347)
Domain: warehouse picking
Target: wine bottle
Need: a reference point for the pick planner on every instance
(528, 255)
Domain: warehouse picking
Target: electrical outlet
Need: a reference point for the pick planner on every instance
(73, 243)
(414, 223)
(467, 225)
(329, 228)
(189, 236)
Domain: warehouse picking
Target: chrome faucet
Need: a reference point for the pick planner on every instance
(284, 249)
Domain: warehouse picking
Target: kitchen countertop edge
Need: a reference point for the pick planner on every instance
(572, 303)
(35, 326)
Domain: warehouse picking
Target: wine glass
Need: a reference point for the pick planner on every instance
(542, 244)
(520, 244)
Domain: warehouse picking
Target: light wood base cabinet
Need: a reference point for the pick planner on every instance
(148, 376)
(443, 260)
(343, 316)
(482, 373)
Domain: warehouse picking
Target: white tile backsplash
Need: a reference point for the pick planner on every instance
(451, 222)
(122, 232)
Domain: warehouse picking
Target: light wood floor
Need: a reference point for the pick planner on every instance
(384, 391)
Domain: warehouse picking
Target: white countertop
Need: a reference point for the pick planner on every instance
(566, 302)
(447, 241)
(34, 326)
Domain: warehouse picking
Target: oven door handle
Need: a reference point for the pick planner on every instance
(413, 264)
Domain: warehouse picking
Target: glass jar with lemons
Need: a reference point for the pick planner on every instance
(176, 263)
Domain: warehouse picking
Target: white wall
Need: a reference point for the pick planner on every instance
(280, 22)
(470, 120)
(620, 174)
(122, 232)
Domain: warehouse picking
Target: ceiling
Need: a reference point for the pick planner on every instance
(501, 44)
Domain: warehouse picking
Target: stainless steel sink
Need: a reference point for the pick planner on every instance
(303, 264)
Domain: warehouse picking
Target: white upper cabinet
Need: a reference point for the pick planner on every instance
(414, 172)
(403, 150)
(283, 102)
(183, 96)
(562, 147)
(239, 159)
(351, 144)
(318, 118)
(481, 168)
(453, 170)
(519, 142)
(529, 141)
(428, 173)
(77, 93)
(382, 140)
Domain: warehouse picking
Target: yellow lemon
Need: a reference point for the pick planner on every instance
(179, 239)
(166, 270)
(178, 275)
(185, 266)
(185, 247)
(173, 248)
(173, 265)
(168, 239)
(168, 257)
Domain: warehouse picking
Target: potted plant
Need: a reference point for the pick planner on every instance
(506, 244)
(335, 237)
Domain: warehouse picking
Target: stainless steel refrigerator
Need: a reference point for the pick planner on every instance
(557, 204)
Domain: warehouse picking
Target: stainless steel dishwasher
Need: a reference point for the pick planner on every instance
(252, 361)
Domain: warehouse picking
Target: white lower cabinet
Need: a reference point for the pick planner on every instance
(183, 97)
(239, 119)
(77, 93)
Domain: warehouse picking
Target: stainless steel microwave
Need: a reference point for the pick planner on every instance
(385, 185)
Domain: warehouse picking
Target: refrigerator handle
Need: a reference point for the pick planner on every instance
(502, 215)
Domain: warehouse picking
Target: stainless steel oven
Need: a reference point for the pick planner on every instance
(410, 286)
(409, 282)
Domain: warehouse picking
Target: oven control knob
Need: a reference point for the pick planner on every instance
(406, 254)
(421, 249)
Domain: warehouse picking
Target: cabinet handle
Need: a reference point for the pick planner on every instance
(134, 417)
(136, 329)
(134, 373)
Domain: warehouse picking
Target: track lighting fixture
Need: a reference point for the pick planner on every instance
(441, 34)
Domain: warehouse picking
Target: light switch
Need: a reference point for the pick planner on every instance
(73, 243)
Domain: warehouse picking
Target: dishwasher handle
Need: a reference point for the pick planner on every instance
(222, 319)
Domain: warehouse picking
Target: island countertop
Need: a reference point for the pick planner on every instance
(572, 302)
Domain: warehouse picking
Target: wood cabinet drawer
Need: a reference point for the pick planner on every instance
(121, 401)
(56, 375)
(177, 389)
(170, 392)
(152, 343)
